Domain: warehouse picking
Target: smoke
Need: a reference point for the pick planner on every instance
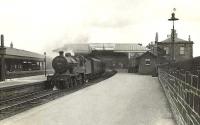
(82, 39)
(73, 43)
(71, 51)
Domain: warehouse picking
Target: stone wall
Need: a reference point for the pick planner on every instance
(188, 51)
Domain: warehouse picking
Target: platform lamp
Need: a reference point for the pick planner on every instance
(45, 64)
(173, 18)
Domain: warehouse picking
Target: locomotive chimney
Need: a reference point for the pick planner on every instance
(61, 53)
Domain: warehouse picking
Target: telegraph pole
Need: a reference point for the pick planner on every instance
(173, 18)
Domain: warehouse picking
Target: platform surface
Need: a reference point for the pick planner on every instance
(124, 99)
(23, 80)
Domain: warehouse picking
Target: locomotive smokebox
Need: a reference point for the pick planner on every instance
(62, 64)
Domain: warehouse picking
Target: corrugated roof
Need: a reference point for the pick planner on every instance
(129, 48)
(76, 48)
(22, 53)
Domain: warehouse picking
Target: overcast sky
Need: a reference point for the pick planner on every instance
(43, 25)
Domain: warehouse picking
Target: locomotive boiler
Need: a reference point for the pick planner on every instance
(73, 71)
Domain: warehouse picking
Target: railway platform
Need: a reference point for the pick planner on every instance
(22, 81)
(124, 99)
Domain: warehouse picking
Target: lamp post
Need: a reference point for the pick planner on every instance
(2, 53)
(45, 64)
(173, 18)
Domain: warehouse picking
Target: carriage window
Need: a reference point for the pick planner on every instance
(147, 61)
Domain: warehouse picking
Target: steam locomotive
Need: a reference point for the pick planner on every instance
(71, 71)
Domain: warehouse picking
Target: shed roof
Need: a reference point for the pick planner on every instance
(147, 53)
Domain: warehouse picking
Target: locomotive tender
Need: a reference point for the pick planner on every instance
(72, 71)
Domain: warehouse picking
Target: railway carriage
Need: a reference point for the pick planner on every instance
(97, 68)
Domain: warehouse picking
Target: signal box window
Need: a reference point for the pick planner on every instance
(147, 61)
(182, 50)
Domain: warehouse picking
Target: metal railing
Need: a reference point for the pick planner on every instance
(182, 90)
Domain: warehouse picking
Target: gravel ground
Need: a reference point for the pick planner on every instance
(124, 99)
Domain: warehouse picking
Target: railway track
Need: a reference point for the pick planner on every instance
(15, 105)
(10, 100)
(19, 104)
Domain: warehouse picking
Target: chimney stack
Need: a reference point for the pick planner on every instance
(189, 39)
(11, 45)
(156, 38)
(2, 41)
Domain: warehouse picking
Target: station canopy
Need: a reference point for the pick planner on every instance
(102, 46)
(129, 47)
(13, 53)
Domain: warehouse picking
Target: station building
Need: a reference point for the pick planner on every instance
(22, 60)
(19, 63)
